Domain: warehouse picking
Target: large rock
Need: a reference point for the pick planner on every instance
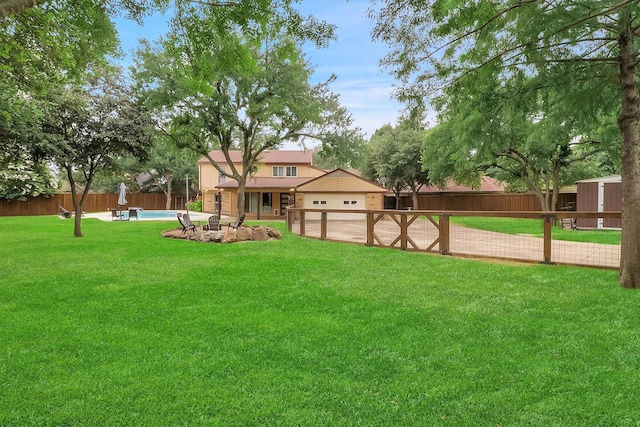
(175, 233)
(229, 236)
(243, 234)
(259, 234)
(208, 236)
(274, 233)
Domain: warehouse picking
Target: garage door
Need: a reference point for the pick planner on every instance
(346, 201)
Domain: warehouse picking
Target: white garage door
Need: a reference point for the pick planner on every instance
(346, 201)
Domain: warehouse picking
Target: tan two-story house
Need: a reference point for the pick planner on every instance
(278, 182)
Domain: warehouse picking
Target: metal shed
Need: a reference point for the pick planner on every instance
(599, 195)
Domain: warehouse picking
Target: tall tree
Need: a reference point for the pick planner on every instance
(393, 158)
(167, 168)
(132, 8)
(343, 151)
(436, 43)
(526, 137)
(45, 45)
(234, 78)
(22, 173)
(90, 127)
(52, 43)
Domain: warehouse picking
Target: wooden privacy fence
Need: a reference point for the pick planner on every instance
(482, 201)
(434, 231)
(93, 203)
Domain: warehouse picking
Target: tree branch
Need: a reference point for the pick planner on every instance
(14, 7)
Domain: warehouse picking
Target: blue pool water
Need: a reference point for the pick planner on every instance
(155, 214)
(158, 215)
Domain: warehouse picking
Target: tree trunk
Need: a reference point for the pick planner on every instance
(167, 204)
(77, 204)
(241, 196)
(77, 219)
(544, 205)
(628, 122)
(556, 185)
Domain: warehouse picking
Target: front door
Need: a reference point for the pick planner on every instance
(284, 202)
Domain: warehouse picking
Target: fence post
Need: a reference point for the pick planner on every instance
(323, 225)
(403, 231)
(549, 220)
(369, 228)
(444, 233)
(289, 220)
(302, 223)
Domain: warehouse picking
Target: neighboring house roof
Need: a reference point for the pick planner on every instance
(568, 189)
(612, 178)
(66, 188)
(280, 157)
(340, 180)
(487, 185)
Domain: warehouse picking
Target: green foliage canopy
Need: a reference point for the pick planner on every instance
(393, 158)
(234, 78)
(90, 126)
(437, 43)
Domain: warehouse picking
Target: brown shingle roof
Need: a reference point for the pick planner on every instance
(487, 185)
(281, 157)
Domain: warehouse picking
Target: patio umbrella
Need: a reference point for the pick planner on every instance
(121, 195)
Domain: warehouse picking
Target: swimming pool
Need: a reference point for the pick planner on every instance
(150, 215)
(164, 215)
(143, 214)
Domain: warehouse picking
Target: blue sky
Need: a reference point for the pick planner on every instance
(364, 88)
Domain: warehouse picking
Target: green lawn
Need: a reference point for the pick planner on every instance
(535, 227)
(126, 328)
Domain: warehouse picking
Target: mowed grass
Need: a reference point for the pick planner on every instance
(125, 328)
(535, 227)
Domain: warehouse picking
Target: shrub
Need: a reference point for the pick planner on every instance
(195, 206)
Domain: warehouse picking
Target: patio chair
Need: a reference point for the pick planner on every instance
(213, 223)
(238, 223)
(186, 223)
(64, 213)
(133, 213)
(116, 215)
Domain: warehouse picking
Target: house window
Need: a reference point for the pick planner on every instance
(353, 202)
(221, 178)
(346, 202)
(315, 202)
(285, 171)
(323, 202)
(251, 202)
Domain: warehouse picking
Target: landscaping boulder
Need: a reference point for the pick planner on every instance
(241, 234)
(274, 233)
(259, 234)
(229, 236)
(209, 236)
